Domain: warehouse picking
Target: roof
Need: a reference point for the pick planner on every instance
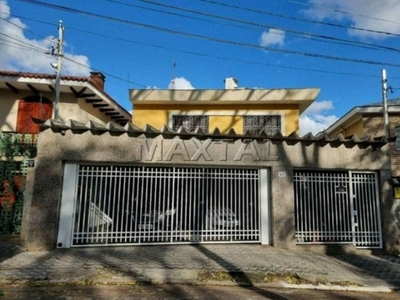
(81, 86)
(371, 108)
(301, 97)
(149, 131)
(391, 102)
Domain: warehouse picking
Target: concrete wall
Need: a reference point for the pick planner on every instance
(41, 215)
(70, 108)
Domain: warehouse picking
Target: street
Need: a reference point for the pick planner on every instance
(178, 292)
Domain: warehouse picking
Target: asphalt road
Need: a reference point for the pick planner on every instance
(151, 292)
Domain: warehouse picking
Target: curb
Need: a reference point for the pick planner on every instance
(125, 281)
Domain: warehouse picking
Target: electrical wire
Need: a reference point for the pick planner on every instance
(105, 73)
(23, 42)
(300, 34)
(23, 28)
(202, 37)
(17, 46)
(340, 11)
(299, 19)
(198, 53)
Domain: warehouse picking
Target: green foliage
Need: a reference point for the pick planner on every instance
(15, 149)
(15, 144)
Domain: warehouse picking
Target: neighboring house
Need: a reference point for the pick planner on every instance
(26, 95)
(241, 109)
(368, 120)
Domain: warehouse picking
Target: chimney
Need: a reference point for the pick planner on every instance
(231, 83)
(98, 79)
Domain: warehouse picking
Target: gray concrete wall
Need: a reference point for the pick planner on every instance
(41, 215)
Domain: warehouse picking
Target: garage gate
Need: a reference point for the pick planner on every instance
(130, 205)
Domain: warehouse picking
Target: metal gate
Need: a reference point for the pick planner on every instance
(337, 207)
(120, 205)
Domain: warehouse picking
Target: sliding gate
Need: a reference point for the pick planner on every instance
(116, 205)
(337, 207)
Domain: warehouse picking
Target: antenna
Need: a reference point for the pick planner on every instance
(173, 69)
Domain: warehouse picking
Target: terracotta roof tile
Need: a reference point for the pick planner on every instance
(70, 78)
(43, 76)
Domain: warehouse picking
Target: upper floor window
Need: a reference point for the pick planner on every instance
(190, 123)
(32, 106)
(271, 124)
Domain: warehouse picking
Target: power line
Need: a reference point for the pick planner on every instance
(22, 28)
(207, 38)
(340, 11)
(300, 34)
(10, 44)
(23, 42)
(106, 73)
(299, 19)
(200, 54)
(27, 46)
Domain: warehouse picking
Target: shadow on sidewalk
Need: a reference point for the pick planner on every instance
(375, 264)
(9, 246)
(234, 270)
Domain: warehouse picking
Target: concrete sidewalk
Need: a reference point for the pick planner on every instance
(199, 264)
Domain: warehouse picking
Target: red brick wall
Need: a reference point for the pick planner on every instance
(374, 124)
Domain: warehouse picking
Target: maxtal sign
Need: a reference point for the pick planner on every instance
(207, 150)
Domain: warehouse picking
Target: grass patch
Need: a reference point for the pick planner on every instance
(251, 278)
(292, 278)
(345, 283)
(2, 293)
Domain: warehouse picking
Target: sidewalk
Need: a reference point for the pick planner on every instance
(199, 264)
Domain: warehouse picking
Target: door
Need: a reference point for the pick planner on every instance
(337, 207)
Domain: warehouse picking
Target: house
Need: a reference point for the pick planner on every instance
(368, 120)
(241, 109)
(192, 169)
(197, 166)
(26, 95)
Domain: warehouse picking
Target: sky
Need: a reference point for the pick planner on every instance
(339, 46)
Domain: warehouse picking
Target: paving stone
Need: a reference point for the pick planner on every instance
(86, 262)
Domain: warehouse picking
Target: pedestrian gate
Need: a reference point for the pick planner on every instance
(337, 207)
(120, 205)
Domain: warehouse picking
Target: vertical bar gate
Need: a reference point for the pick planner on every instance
(337, 207)
(119, 205)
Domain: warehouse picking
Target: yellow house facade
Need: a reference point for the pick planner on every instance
(273, 110)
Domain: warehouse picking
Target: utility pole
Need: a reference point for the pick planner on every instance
(59, 54)
(385, 104)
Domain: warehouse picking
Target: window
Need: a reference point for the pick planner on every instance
(36, 107)
(190, 123)
(255, 124)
